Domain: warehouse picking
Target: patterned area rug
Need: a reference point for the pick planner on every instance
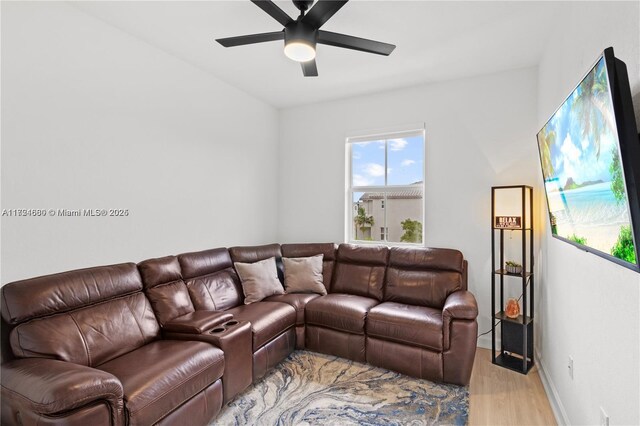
(310, 389)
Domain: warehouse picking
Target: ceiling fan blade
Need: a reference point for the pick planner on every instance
(355, 43)
(322, 11)
(309, 68)
(251, 39)
(274, 11)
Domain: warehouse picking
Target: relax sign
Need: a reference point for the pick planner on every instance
(508, 222)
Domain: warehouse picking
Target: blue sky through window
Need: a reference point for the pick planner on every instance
(405, 158)
(367, 163)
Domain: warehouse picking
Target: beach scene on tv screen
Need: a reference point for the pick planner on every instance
(582, 171)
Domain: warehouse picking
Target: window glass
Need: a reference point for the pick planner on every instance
(367, 216)
(386, 189)
(405, 160)
(367, 163)
(404, 215)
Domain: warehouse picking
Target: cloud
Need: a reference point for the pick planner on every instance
(374, 169)
(359, 180)
(584, 144)
(406, 163)
(397, 144)
(570, 151)
(570, 157)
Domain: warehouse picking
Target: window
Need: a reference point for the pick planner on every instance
(386, 188)
(383, 233)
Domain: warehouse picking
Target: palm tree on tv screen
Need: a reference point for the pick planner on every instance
(546, 140)
(592, 105)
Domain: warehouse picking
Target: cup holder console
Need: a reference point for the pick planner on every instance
(224, 327)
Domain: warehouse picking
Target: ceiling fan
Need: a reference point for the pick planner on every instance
(302, 34)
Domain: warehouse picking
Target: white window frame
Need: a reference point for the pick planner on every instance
(402, 132)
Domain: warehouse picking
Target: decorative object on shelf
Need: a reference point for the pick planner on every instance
(512, 326)
(512, 310)
(508, 222)
(513, 267)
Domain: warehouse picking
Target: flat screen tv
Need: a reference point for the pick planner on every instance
(590, 156)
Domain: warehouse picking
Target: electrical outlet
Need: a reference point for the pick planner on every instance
(570, 367)
(604, 419)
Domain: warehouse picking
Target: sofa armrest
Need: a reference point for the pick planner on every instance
(47, 386)
(197, 322)
(460, 305)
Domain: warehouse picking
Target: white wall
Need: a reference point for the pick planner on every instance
(591, 306)
(479, 132)
(94, 118)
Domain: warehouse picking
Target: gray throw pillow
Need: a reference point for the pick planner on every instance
(303, 274)
(259, 280)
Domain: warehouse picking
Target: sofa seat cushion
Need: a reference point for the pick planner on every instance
(297, 300)
(408, 324)
(343, 312)
(268, 320)
(160, 376)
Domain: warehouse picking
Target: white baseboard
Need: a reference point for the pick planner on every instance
(552, 394)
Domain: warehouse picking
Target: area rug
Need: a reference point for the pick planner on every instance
(314, 389)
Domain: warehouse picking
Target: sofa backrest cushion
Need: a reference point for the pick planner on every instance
(88, 316)
(50, 294)
(360, 270)
(328, 250)
(212, 282)
(163, 284)
(251, 254)
(423, 276)
(89, 336)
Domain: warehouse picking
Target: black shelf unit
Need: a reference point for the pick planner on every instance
(516, 334)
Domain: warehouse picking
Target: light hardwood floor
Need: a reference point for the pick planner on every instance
(503, 397)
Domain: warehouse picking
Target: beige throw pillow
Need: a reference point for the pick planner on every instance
(303, 274)
(259, 280)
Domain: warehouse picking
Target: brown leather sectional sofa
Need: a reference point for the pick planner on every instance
(169, 340)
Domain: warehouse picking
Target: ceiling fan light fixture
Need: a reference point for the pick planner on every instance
(300, 42)
(301, 35)
(299, 51)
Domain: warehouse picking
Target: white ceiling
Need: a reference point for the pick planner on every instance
(435, 41)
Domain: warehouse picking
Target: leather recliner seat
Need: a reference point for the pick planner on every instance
(410, 331)
(88, 350)
(336, 322)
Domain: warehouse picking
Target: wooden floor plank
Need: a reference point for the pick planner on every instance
(503, 397)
